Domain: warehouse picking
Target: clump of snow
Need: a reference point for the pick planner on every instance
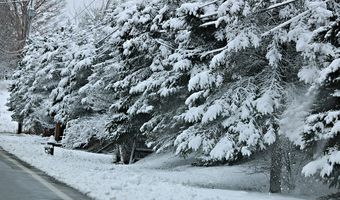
(334, 66)
(189, 8)
(194, 114)
(212, 112)
(269, 137)
(324, 165)
(265, 104)
(51, 139)
(223, 149)
(308, 74)
(204, 80)
(6, 123)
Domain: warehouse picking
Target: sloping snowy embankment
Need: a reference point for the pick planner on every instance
(6, 123)
(157, 177)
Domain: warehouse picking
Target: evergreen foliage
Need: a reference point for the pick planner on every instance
(322, 130)
(214, 78)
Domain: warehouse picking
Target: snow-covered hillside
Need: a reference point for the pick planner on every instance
(6, 123)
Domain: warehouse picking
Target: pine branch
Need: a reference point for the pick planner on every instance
(209, 15)
(277, 5)
(102, 40)
(252, 14)
(164, 44)
(213, 51)
(209, 23)
(286, 23)
(208, 4)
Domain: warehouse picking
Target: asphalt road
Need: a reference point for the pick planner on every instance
(19, 181)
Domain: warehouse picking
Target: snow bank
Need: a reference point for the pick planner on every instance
(157, 177)
(6, 124)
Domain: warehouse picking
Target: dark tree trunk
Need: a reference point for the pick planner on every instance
(59, 130)
(276, 167)
(19, 128)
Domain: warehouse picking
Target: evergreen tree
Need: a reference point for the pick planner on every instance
(322, 132)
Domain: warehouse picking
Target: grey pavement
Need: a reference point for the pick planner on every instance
(19, 181)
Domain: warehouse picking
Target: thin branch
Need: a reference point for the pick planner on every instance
(213, 51)
(256, 12)
(100, 41)
(285, 23)
(277, 5)
(208, 4)
(209, 23)
(164, 44)
(6, 2)
(209, 15)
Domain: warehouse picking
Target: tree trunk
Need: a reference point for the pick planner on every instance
(19, 128)
(58, 132)
(276, 167)
(132, 152)
(122, 154)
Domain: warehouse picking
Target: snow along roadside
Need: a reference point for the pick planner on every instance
(96, 176)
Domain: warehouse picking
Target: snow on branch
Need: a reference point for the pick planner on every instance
(277, 5)
(263, 10)
(102, 40)
(164, 44)
(286, 23)
(213, 51)
(209, 15)
(208, 4)
(209, 23)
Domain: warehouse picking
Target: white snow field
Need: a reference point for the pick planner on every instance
(156, 177)
(6, 123)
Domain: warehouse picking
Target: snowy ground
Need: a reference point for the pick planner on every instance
(157, 177)
(6, 124)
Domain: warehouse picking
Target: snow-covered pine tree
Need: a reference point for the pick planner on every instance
(97, 95)
(23, 79)
(66, 100)
(40, 50)
(245, 91)
(322, 129)
(46, 77)
(165, 87)
(130, 60)
(235, 91)
(40, 74)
